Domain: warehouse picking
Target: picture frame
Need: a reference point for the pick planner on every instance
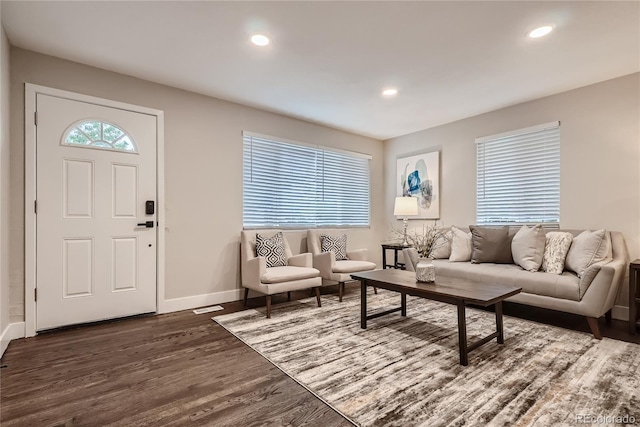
(418, 175)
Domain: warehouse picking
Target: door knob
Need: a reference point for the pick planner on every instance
(148, 224)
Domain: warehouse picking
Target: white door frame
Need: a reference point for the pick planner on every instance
(31, 91)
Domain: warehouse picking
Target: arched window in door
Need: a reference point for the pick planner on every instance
(99, 134)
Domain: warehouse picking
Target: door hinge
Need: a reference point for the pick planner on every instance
(35, 118)
(35, 206)
(35, 294)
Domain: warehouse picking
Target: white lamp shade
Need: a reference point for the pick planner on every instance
(405, 206)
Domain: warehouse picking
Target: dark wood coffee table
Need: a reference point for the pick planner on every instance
(458, 292)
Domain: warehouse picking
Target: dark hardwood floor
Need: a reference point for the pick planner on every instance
(176, 369)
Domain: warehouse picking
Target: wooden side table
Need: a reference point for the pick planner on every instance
(395, 247)
(634, 295)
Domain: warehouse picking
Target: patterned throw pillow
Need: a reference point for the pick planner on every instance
(555, 251)
(272, 248)
(335, 244)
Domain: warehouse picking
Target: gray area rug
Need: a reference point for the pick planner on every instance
(405, 371)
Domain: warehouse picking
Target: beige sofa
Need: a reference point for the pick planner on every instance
(591, 296)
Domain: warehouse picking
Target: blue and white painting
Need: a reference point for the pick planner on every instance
(419, 176)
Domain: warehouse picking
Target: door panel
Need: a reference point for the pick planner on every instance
(125, 263)
(77, 265)
(96, 167)
(77, 188)
(124, 190)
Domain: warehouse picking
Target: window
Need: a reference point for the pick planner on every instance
(292, 185)
(519, 177)
(99, 134)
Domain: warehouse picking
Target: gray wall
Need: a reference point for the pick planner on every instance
(4, 181)
(600, 157)
(203, 170)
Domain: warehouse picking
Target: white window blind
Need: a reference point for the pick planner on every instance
(518, 178)
(291, 185)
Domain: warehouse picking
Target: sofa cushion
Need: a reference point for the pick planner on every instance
(272, 249)
(527, 247)
(555, 251)
(565, 286)
(288, 274)
(587, 248)
(460, 245)
(442, 246)
(335, 244)
(348, 266)
(490, 244)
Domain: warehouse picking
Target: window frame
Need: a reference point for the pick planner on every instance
(320, 150)
(554, 161)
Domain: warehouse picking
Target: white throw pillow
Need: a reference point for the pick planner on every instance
(555, 251)
(442, 246)
(587, 248)
(460, 245)
(527, 247)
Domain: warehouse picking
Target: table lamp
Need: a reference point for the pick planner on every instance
(404, 207)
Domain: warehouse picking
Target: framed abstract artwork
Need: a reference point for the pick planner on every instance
(418, 175)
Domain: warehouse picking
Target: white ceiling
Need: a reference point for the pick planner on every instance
(329, 61)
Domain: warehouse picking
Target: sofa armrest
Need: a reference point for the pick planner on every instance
(301, 260)
(324, 262)
(358, 255)
(601, 293)
(589, 274)
(253, 271)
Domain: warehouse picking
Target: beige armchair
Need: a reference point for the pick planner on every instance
(332, 270)
(298, 274)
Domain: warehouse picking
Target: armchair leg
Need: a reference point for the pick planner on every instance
(340, 290)
(268, 306)
(318, 296)
(375, 290)
(593, 325)
(289, 296)
(246, 295)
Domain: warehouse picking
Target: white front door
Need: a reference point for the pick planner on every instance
(96, 178)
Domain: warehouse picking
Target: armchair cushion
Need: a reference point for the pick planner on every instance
(272, 249)
(288, 274)
(335, 244)
(347, 266)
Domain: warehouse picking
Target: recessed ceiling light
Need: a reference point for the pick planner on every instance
(390, 92)
(539, 32)
(260, 40)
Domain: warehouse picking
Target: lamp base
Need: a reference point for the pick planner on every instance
(405, 222)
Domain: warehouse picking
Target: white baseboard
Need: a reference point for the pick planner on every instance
(186, 303)
(620, 312)
(11, 332)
